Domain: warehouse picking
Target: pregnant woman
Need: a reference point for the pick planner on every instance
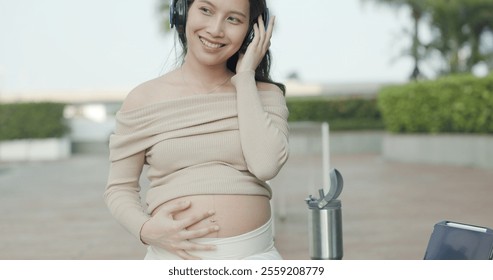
(212, 132)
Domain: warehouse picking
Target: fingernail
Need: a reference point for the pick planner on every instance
(211, 212)
(216, 228)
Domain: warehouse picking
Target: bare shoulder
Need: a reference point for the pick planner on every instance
(149, 92)
(263, 86)
(137, 97)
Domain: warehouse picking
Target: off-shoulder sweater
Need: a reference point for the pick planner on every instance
(218, 143)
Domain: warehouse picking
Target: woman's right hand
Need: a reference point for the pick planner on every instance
(163, 231)
(259, 46)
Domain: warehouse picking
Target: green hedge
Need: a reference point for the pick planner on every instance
(31, 120)
(454, 104)
(341, 114)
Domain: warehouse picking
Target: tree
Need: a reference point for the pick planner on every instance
(462, 33)
(163, 10)
(418, 9)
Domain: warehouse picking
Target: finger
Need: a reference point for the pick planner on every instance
(270, 27)
(256, 37)
(184, 255)
(187, 245)
(192, 246)
(175, 207)
(197, 233)
(268, 34)
(193, 219)
(261, 29)
(261, 23)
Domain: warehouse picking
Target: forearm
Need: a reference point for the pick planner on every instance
(263, 128)
(122, 195)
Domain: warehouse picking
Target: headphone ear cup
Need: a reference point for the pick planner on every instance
(182, 16)
(178, 15)
(171, 14)
(248, 39)
(251, 32)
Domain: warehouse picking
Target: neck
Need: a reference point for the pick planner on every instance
(203, 75)
(201, 79)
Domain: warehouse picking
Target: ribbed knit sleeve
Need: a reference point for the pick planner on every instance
(263, 128)
(122, 195)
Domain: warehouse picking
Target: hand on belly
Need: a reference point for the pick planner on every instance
(234, 214)
(165, 231)
(175, 224)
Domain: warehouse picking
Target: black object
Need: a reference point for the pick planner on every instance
(178, 15)
(251, 32)
(458, 241)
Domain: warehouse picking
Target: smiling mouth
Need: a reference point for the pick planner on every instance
(210, 44)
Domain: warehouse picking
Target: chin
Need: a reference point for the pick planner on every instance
(213, 59)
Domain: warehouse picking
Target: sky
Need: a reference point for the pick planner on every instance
(115, 45)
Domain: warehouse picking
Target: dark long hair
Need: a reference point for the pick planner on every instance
(262, 73)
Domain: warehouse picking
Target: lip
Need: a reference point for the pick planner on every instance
(210, 44)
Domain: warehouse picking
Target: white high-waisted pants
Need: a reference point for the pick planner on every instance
(254, 245)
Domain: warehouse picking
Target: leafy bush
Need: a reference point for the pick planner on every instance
(31, 120)
(341, 114)
(454, 104)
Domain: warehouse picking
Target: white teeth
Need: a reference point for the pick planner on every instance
(209, 44)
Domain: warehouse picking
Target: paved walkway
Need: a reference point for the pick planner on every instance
(55, 210)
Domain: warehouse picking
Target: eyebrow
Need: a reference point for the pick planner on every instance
(236, 12)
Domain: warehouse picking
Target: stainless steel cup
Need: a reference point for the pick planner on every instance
(325, 221)
(325, 230)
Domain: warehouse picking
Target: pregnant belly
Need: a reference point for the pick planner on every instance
(234, 214)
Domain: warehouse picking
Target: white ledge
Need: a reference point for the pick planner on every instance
(34, 149)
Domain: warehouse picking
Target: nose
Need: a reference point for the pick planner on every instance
(215, 27)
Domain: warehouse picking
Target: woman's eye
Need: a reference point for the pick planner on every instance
(233, 20)
(205, 10)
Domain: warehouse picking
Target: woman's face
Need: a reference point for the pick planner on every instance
(215, 29)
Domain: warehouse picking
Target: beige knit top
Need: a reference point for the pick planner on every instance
(219, 143)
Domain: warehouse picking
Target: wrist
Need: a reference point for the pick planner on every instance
(142, 234)
(246, 76)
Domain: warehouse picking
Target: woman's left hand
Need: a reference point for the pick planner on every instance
(257, 48)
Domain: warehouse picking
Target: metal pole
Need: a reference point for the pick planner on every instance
(325, 156)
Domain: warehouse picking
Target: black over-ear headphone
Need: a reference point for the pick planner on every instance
(178, 10)
(251, 32)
